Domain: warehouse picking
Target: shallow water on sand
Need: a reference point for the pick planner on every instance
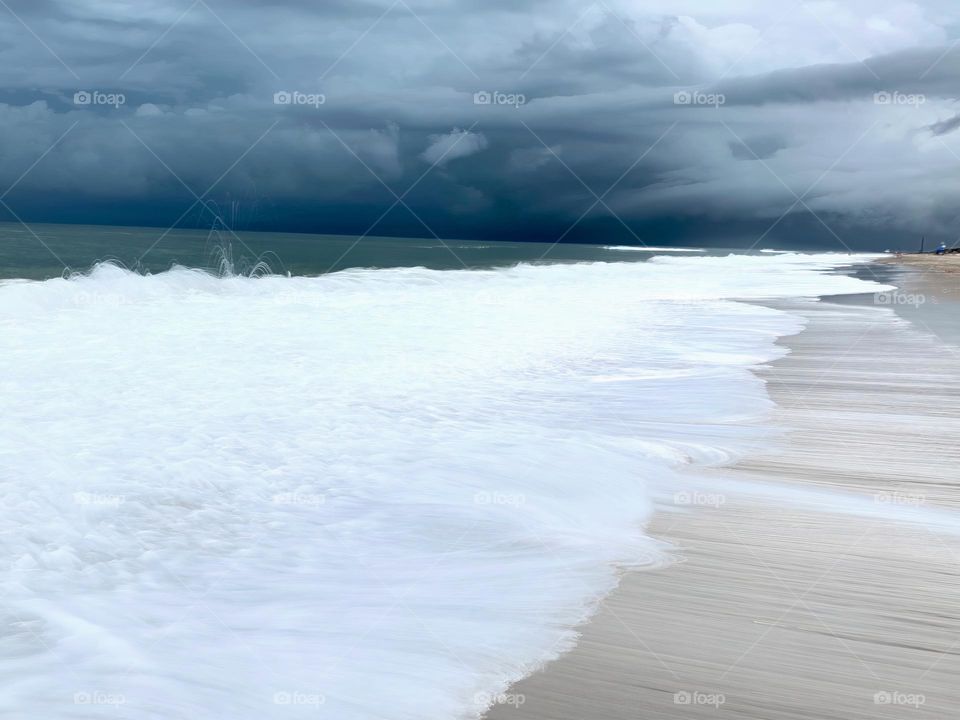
(374, 493)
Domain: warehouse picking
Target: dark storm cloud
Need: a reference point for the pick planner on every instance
(934, 71)
(946, 126)
(591, 122)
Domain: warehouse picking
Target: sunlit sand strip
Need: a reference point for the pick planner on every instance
(784, 610)
(928, 262)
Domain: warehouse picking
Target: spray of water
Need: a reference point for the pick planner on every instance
(220, 249)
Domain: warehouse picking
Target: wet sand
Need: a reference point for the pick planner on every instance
(813, 587)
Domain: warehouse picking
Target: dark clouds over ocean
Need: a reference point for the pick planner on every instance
(728, 123)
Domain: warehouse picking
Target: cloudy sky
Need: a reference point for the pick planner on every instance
(744, 122)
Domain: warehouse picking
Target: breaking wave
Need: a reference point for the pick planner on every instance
(376, 493)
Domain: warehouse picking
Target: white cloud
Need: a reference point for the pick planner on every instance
(149, 110)
(381, 148)
(533, 158)
(453, 145)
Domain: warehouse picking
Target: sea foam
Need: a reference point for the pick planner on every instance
(377, 493)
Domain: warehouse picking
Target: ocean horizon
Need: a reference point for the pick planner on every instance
(43, 251)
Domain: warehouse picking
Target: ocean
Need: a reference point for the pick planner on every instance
(48, 251)
(388, 491)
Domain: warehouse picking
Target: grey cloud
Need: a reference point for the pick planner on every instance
(762, 147)
(455, 144)
(944, 127)
(926, 71)
(799, 115)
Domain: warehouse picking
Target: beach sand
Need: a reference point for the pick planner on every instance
(824, 580)
(927, 262)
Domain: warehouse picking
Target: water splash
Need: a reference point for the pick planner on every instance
(223, 261)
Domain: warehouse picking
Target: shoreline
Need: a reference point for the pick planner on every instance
(779, 609)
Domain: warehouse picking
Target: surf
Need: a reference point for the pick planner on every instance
(369, 493)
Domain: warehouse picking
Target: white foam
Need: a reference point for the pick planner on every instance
(392, 491)
(648, 248)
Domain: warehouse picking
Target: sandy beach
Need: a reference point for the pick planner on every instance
(928, 262)
(814, 580)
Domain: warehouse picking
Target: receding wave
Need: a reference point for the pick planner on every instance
(388, 493)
